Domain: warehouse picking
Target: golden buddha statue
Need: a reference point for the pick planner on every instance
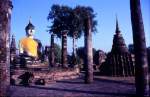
(28, 46)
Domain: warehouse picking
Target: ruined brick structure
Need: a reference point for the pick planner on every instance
(120, 61)
(5, 17)
(64, 49)
(13, 49)
(101, 56)
(52, 55)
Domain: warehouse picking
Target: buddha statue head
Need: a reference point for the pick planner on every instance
(30, 29)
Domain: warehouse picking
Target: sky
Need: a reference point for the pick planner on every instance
(106, 12)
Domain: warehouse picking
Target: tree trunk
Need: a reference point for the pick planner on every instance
(5, 17)
(64, 49)
(52, 56)
(141, 64)
(88, 62)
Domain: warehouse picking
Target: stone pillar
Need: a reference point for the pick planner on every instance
(141, 62)
(64, 49)
(74, 56)
(132, 66)
(123, 65)
(74, 43)
(5, 17)
(88, 62)
(113, 65)
(52, 55)
(129, 65)
(13, 49)
(117, 65)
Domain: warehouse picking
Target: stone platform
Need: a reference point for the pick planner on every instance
(49, 75)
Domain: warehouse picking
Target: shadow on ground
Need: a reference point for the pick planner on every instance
(86, 89)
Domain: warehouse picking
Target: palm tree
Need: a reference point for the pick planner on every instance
(75, 33)
(141, 64)
(88, 26)
(5, 17)
(61, 16)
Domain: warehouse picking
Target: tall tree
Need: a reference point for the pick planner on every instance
(75, 33)
(141, 64)
(88, 26)
(5, 17)
(61, 19)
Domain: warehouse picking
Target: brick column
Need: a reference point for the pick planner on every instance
(52, 55)
(64, 49)
(5, 17)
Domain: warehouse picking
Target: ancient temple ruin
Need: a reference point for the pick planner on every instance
(13, 48)
(120, 61)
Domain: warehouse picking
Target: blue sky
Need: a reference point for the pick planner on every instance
(106, 11)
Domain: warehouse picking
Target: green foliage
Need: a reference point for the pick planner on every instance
(81, 53)
(61, 19)
(85, 13)
(73, 20)
(75, 60)
(57, 53)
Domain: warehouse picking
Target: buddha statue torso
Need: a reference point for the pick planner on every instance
(29, 46)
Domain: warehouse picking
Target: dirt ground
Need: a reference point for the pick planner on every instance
(101, 87)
